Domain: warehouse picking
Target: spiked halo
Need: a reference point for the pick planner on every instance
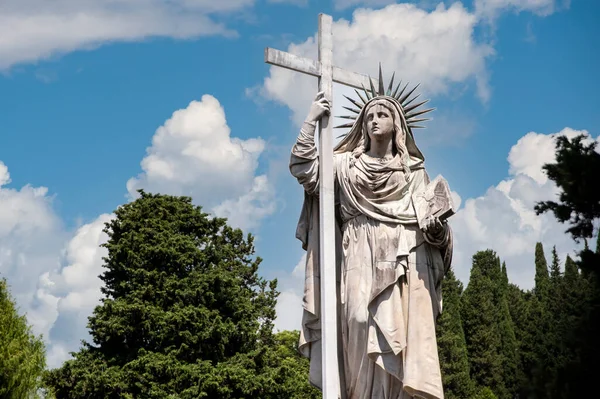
(411, 111)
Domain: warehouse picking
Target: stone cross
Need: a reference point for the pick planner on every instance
(327, 74)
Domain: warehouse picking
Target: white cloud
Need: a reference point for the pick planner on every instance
(289, 303)
(194, 154)
(31, 238)
(490, 9)
(4, 175)
(31, 30)
(293, 2)
(435, 48)
(343, 4)
(503, 218)
(71, 293)
(456, 199)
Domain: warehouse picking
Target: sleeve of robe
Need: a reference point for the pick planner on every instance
(304, 160)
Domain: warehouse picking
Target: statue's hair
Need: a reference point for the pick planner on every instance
(398, 136)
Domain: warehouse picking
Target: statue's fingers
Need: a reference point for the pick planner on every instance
(319, 95)
(428, 224)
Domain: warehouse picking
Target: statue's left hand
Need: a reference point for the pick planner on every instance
(433, 226)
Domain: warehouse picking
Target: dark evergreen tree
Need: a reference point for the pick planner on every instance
(542, 280)
(184, 314)
(575, 172)
(572, 330)
(519, 304)
(509, 345)
(485, 393)
(552, 360)
(480, 315)
(452, 347)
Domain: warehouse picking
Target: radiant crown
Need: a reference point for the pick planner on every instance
(411, 112)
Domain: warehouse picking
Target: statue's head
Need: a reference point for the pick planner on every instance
(382, 122)
(379, 113)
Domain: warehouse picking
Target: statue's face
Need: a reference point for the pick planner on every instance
(380, 122)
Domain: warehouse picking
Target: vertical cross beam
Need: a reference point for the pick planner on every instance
(329, 347)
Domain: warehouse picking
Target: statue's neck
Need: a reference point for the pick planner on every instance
(380, 148)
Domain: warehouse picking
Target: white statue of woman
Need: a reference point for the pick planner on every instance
(389, 270)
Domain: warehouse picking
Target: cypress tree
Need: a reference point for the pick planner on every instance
(554, 329)
(572, 330)
(509, 345)
(480, 315)
(452, 347)
(542, 280)
(539, 323)
(520, 313)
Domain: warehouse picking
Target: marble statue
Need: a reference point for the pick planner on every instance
(390, 266)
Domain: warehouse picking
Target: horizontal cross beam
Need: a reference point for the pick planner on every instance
(313, 68)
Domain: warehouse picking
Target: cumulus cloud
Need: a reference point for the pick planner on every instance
(490, 9)
(503, 218)
(194, 154)
(293, 2)
(31, 30)
(343, 4)
(31, 239)
(435, 48)
(289, 303)
(71, 292)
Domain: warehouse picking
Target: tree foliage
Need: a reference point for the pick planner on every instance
(480, 315)
(22, 355)
(575, 172)
(452, 347)
(184, 314)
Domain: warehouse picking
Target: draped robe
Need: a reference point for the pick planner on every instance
(389, 276)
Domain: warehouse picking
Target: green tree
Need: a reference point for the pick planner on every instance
(509, 344)
(452, 347)
(573, 331)
(22, 355)
(184, 314)
(575, 172)
(485, 393)
(542, 280)
(552, 358)
(519, 304)
(480, 315)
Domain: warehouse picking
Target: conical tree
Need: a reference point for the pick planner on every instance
(539, 325)
(184, 311)
(573, 331)
(452, 347)
(520, 313)
(542, 280)
(479, 312)
(553, 359)
(509, 345)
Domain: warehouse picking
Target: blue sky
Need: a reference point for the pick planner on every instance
(96, 94)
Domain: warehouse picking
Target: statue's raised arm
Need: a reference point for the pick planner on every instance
(304, 160)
